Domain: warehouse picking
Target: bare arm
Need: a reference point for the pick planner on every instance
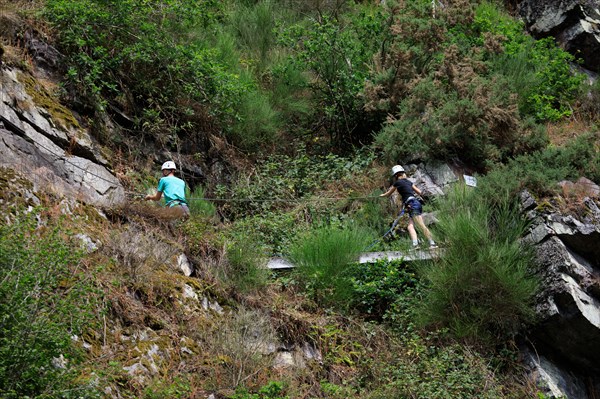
(388, 192)
(416, 189)
(155, 197)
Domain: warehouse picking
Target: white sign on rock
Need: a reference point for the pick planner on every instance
(470, 181)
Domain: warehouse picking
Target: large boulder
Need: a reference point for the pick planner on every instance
(574, 23)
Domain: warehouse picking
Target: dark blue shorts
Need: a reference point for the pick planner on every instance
(414, 208)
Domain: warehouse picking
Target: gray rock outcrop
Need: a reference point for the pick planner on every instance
(575, 24)
(41, 139)
(567, 337)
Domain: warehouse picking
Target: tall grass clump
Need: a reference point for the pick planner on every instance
(254, 26)
(323, 257)
(244, 268)
(482, 287)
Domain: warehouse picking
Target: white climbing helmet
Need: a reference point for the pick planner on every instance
(397, 169)
(168, 165)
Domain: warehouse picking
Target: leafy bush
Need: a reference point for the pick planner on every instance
(323, 256)
(178, 389)
(103, 40)
(482, 287)
(159, 62)
(452, 106)
(438, 371)
(274, 230)
(273, 390)
(42, 304)
(289, 178)
(374, 214)
(255, 27)
(538, 70)
(470, 116)
(376, 286)
(478, 94)
(258, 121)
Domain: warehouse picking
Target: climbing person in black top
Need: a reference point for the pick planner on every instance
(411, 204)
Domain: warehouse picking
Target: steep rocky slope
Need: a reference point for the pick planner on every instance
(166, 314)
(565, 341)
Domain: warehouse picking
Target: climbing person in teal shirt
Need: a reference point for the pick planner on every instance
(173, 188)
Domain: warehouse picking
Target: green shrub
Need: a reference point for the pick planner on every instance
(288, 85)
(558, 83)
(164, 65)
(470, 115)
(430, 371)
(43, 302)
(476, 94)
(482, 287)
(323, 256)
(376, 286)
(289, 178)
(258, 122)
(255, 25)
(274, 230)
(177, 389)
(538, 70)
(103, 40)
(337, 53)
(374, 214)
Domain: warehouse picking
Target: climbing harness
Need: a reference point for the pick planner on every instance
(175, 202)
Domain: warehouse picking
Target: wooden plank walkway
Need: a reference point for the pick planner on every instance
(370, 257)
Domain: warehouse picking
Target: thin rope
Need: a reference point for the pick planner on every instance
(387, 232)
(295, 200)
(66, 160)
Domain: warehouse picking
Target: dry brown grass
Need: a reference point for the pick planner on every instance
(563, 132)
(20, 5)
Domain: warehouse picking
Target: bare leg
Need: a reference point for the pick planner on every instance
(411, 230)
(419, 220)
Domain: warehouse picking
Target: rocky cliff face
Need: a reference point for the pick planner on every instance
(565, 343)
(575, 24)
(39, 137)
(43, 140)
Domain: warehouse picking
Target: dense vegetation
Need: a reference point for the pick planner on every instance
(313, 97)
(462, 80)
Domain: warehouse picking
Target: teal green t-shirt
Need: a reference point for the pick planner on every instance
(173, 189)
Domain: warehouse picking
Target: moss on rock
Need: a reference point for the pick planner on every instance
(43, 99)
